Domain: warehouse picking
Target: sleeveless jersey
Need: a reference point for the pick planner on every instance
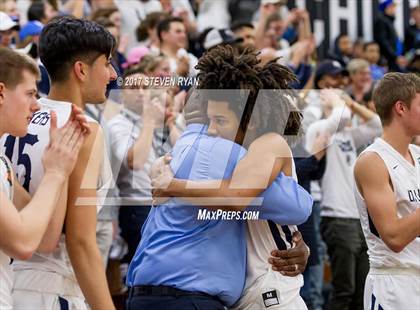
(26, 156)
(263, 237)
(6, 272)
(405, 180)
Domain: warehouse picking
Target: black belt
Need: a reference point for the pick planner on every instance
(149, 290)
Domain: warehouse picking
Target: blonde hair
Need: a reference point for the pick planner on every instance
(355, 65)
(12, 65)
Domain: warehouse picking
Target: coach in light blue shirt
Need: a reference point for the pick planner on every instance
(181, 256)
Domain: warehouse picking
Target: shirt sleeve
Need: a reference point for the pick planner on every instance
(285, 202)
(120, 133)
(366, 132)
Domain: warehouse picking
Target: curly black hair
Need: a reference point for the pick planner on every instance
(273, 109)
(223, 68)
(276, 105)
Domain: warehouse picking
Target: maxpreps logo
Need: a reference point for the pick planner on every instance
(207, 215)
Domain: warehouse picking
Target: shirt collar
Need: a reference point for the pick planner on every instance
(196, 127)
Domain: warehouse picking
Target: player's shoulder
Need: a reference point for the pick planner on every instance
(273, 143)
(370, 165)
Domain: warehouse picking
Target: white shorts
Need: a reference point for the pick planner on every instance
(392, 289)
(34, 289)
(274, 292)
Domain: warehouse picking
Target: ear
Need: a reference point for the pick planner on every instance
(164, 35)
(2, 89)
(400, 108)
(80, 70)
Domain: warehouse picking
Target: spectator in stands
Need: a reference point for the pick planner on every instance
(245, 31)
(371, 53)
(173, 39)
(412, 32)
(360, 78)
(358, 48)
(41, 11)
(340, 224)
(342, 49)
(385, 35)
(8, 29)
(132, 13)
(146, 32)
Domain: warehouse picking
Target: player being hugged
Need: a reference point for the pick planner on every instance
(23, 221)
(387, 192)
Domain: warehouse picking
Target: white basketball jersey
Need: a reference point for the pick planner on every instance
(26, 156)
(262, 238)
(405, 179)
(6, 273)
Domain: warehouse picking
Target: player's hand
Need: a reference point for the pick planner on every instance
(291, 262)
(161, 182)
(78, 116)
(331, 97)
(154, 111)
(65, 143)
(159, 165)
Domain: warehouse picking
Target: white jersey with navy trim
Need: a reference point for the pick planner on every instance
(265, 288)
(26, 157)
(405, 179)
(6, 272)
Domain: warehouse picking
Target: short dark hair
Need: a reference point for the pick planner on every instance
(393, 87)
(151, 21)
(103, 12)
(367, 44)
(65, 40)
(239, 25)
(103, 21)
(165, 24)
(36, 11)
(12, 65)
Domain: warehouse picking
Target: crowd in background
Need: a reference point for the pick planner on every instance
(164, 39)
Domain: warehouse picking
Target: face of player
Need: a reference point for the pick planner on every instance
(223, 122)
(411, 119)
(100, 74)
(18, 105)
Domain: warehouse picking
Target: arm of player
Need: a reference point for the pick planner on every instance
(20, 197)
(269, 153)
(22, 231)
(372, 180)
(80, 224)
(52, 235)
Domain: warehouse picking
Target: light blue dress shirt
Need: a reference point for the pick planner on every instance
(207, 256)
